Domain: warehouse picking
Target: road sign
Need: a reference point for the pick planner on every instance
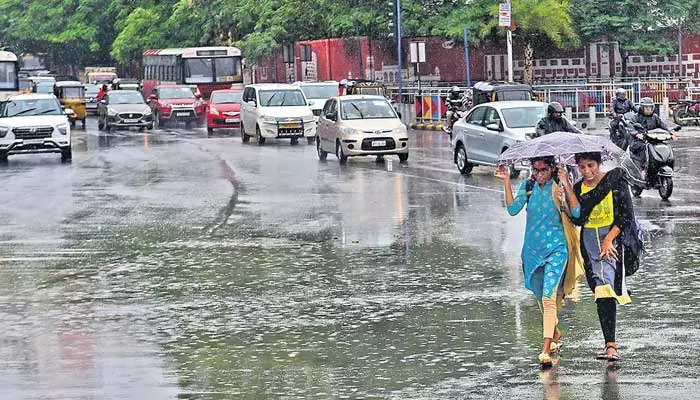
(504, 14)
(417, 50)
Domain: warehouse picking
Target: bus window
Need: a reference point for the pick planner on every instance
(8, 75)
(227, 69)
(198, 70)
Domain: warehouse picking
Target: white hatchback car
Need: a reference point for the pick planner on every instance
(317, 93)
(34, 123)
(360, 125)
(276, 111)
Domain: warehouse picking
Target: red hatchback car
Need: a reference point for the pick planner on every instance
(172, 103)
(224, 109)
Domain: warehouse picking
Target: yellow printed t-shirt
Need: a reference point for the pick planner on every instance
(602, 214)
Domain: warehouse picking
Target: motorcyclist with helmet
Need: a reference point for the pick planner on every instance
(455, 103)
(618, 107)
(554, 121)
(646, 120)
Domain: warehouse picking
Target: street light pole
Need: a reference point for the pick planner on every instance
(398, 45)
(510, 48)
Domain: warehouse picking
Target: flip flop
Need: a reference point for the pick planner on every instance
(545, 361)
(603, 355)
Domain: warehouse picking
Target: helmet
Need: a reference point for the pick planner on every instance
(455, 89)
(555, 107)
(646, 105)
(620, 94)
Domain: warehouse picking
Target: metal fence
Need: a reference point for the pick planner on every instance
(427, 103)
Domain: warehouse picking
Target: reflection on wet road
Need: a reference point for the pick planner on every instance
(171, 265)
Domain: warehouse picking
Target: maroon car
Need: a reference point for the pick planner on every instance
(173, 103)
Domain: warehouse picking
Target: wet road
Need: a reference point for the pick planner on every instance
(171, 265)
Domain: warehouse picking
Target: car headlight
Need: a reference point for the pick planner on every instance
(3, 131)
(148, 111)
(213, 111)
(269, 119)
(63, 128)
(111, 112)
(400, 129)
(349, 131)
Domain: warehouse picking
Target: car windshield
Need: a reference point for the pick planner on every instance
(514, 95)
(72, 92)
(281, 98)
(226, 97)
(91, 91)
(125, 97)
(16, 108)
(523, 117)
(44, 87)
(367, 109)
(176, 93)
(319, 91)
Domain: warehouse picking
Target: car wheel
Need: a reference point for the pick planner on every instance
(310, 140)
(637, 191)
(210, 131)
(294, 141)
(512, 172)
(66, 154)
(3, 157)
(244, 136)
(142, 128)
(188, 124)
(150, 126)
(258, 135)
(83, 121)
(342, 158)
(463, 165)
(322, 154)
(403, 157)
(72, 123)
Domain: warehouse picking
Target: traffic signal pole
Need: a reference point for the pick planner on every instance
(399, 50)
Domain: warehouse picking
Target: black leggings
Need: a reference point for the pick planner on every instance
(607, 313)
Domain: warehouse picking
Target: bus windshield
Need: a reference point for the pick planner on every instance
(8, 75)
(203, 70)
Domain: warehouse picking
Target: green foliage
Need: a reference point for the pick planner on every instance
(81, 32)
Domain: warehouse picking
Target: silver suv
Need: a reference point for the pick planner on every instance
(34, 123)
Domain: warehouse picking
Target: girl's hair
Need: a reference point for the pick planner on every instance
(549, 160)
(592, 156)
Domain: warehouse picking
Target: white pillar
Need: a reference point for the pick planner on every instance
(591, 117)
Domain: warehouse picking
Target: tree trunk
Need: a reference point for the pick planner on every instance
(623, 61)
(527, 71)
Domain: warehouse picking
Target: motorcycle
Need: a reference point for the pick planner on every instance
(456, 109)
(687, 112)
(625, 129)
(659, 163)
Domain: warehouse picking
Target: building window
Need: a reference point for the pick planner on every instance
(564, 62)
(553, 62)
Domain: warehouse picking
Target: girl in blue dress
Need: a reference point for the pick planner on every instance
(545, 248)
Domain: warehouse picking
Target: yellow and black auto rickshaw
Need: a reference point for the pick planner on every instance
(71, 94)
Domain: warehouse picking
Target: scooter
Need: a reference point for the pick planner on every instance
(625, 130)
(687, 112)
(660, 162)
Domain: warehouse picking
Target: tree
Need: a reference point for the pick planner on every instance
(636, 27)
(535, 21)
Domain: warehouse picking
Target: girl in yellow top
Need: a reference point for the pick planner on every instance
(607, 218)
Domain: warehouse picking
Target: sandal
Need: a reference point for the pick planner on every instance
(545, 360)
(555, 346)
(603, 355)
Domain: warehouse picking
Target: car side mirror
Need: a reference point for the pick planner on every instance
(399, 114)
(198, 95)
(311, 102)
(68, 111)
(493, 127)
(152, 97)
(252, 103)
(332, 116)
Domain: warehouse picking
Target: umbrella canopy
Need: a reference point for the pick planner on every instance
(562, 146)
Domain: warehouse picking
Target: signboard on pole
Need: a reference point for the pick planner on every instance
(417, 50)
(504, 14)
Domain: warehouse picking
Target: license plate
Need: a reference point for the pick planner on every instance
(232, 120)
(130, 121)
(182, 114)
(378, 143)
(290, 126)
(33, 141)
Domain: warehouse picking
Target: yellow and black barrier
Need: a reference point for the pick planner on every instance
(423, 126)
